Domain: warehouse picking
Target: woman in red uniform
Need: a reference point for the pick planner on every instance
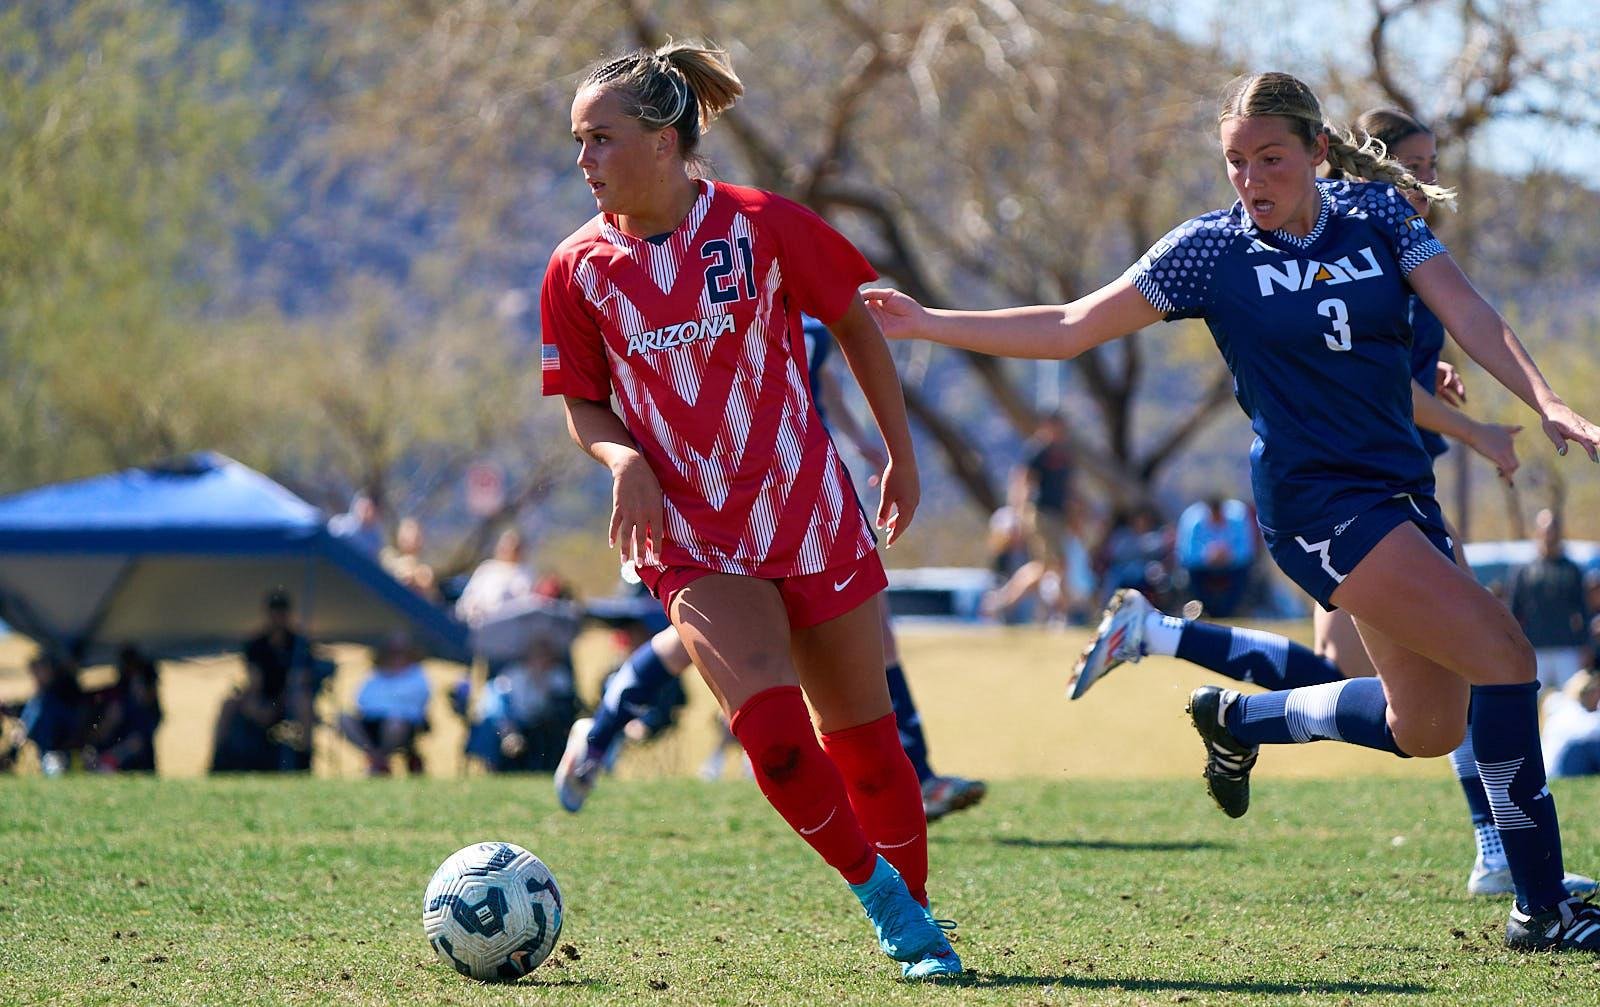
(681, 300)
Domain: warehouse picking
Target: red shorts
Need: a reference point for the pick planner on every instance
(810, 600)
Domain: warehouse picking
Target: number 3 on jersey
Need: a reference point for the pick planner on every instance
(720, 272)
(1334, 310)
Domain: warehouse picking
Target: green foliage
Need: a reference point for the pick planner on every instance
(309, 891)
(123, 161)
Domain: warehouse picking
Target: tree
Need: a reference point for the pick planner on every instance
(968, 149)
(125, 150)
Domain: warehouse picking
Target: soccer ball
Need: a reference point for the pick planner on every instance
(492, 912)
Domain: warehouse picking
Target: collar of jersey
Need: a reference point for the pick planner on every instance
(617, 236)
(1316, 232)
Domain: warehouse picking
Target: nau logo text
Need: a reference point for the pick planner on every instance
(1297, 274)
(683, 333)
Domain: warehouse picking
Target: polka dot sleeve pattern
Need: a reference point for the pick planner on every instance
(1400, 224)
(1176, 275)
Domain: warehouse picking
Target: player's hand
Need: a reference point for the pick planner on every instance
(1447, 385)
(1562, 424)
(638, 520)
(899, 316)
(899, 495)
(1497, 443)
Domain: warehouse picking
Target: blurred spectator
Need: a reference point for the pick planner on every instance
(1036, 541)
(404, 560)
(523, 714)
(266, 725)
(122, 737)
(361, 525)
(391, 708)
(1217, 547)
(1137, 552)
(497, 580)
(53, 717)
(1547, 597)
(1572, 727)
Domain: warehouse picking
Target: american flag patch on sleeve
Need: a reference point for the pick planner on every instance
(549, 358)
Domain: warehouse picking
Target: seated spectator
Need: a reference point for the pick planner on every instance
(54, 717)
(122, 738)
(1572, 727)
(1216, 548)
(1012, 545)
(1137, 552)
(523, 714)
(361, 525)
(497, 580)
(266, 725)
(404, 560)
(391, 709)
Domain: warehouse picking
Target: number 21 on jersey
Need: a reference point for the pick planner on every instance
(1334, 310)
(721, 285)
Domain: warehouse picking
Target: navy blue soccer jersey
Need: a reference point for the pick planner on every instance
(1427, 342)
(1317, 333)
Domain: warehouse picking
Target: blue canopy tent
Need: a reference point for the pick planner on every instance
(177, 558)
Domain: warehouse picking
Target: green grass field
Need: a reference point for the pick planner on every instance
(121, 891)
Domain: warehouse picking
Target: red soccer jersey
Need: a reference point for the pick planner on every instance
(699, 338)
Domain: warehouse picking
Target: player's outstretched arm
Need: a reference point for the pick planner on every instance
(1493, 441)
(1489, 340)
(1038, 332)
(638, 521)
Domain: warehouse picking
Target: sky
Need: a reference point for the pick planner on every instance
(1285, 34)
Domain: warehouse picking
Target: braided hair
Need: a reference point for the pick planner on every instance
(1360, 155)
(684, 85)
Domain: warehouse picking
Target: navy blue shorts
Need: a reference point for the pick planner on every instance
(1319, 560)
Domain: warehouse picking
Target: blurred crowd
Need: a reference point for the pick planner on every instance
(1053, 561)
(1056, 561)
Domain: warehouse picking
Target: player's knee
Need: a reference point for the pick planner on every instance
(1429, 739)
(1509, 660)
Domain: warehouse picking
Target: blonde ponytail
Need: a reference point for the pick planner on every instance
(1362, 156)
(684, 85)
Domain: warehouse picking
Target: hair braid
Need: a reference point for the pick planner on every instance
(682, 85)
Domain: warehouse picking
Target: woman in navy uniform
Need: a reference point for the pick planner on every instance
(1306, 284)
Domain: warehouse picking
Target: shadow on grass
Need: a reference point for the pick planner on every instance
(1029, 842)
(978, 979)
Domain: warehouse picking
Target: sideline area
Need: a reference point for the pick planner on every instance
(991, 701)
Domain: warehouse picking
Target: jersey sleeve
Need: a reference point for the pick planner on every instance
(1402, 226)
(821, 268)
(572, 357)
(1176, 274)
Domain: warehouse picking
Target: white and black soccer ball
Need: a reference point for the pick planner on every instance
(492, 912)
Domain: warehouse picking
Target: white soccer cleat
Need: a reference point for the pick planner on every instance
(1120, 638)
(576, 773)
(1486, 881)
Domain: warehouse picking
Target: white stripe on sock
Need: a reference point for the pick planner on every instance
(1309, 712)
(1497, 777)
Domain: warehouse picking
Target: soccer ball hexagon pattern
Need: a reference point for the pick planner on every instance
(492, 912)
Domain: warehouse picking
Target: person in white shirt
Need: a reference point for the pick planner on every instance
(391, 708)
(497, 580)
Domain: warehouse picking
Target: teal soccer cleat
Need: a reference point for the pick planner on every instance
(941, 963)
(906, 932)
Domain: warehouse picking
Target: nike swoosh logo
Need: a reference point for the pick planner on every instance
(840, 585)
(825, 821)
(895, 846)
